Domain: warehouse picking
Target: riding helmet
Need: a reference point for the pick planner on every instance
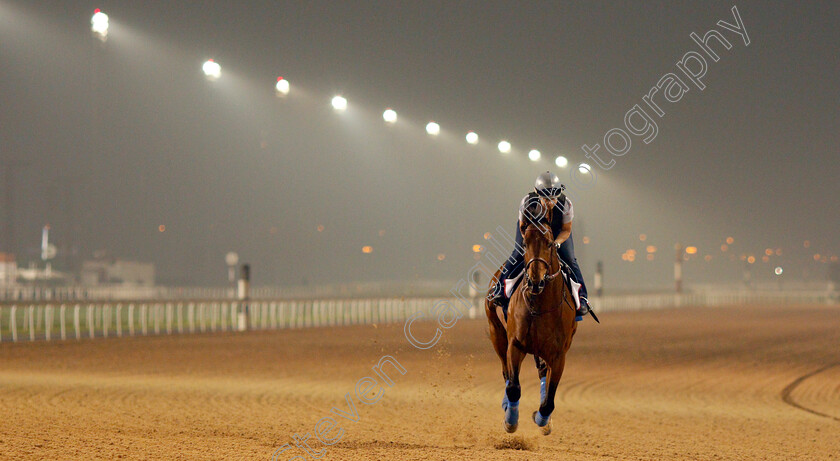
(548, 185)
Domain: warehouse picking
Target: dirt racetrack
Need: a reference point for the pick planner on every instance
(694, 383)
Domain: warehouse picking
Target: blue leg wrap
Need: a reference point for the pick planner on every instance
(512, 413)
(540, 419)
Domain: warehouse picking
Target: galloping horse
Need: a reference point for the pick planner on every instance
(540, 320)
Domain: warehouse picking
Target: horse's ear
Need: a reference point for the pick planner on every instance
(534, 212)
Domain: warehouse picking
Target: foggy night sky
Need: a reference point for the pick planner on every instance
(113, 140)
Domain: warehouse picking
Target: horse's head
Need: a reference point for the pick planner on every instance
(539, 243)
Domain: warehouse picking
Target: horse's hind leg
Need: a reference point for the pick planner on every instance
(498, 336)
(513, 391)
(543, 416)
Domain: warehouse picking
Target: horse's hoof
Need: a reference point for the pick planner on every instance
(543, 423)
(512, 417)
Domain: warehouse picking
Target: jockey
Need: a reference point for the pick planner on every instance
(549, 191)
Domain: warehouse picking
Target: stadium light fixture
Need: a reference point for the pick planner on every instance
(433, 128)
(339, 103)
(99, 24)
(561, 161)
(472, 138)
(390, 116)
(534, 155)
(504, 147)
(282, 87)
(584, 168)
(212, 70)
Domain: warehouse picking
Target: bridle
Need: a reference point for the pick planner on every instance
(537, 288)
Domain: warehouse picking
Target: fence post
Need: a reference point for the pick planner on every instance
(77, 321)
(119, 320)
(131, 319)
(243, 295)
(31, 311)
(13, 322)
(191, 317)
(180, 313)
(264, 315)
(48, 321)
(158, 308)
(106, 319)
(90, 319)
(144, 325)
(169, 318)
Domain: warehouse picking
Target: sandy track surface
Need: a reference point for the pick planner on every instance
(696, 383)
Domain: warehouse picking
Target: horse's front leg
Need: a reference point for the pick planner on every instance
(513, 391)
(543, 416)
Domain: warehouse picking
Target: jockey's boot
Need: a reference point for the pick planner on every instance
(499, 298)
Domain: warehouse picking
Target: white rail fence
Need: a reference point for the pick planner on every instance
(49, 321)
(77, 320)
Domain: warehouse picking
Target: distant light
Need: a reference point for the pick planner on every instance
(441, 256)
(476, 248)
(730, 240)
(768, 251)
(161, 228)
(691, 250)
(778, 270)
(806, 243)
(339, 103)
(561, 161)
(650, 256)
(320, 228)
(707, 258)
(724, 247)
(751, 259)
(282, 86)
(433, 128)
(534, 155)
(584, 168)
(585, 240)
(472, 138)
(765, 258)
(651, 249)
(212, 70)
(642, 237)
(99, 24)
(390, 115)
(487, 235)
(504, 147)
(367, 249)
